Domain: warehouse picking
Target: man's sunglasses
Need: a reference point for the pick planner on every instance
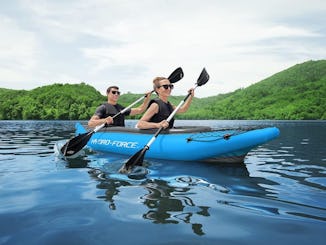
(166, 86)
(115, 92)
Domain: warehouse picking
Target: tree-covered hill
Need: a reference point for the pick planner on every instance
(57, 101)
(296, 93)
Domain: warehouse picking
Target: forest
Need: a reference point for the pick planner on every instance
(297, 93)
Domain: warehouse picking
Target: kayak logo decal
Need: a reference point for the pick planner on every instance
(115, 143)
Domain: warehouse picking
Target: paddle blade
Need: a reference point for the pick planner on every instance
(136, 159)
(75, 144)
(176, 75)
(203, 78)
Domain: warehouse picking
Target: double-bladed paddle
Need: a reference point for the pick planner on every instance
(77, 143)
(137, 159)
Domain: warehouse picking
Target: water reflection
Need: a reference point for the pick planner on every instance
(110, 186)
(174, 196)
(174, 191)
(165, 204)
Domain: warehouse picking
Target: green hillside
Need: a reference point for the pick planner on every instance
(296, 93)
(57, 101)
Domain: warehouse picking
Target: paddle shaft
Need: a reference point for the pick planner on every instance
(97, 128)
(81, 140)
(139, 156)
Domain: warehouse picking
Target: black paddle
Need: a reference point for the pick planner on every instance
(77, 143)
(176, 75)
(137, 159)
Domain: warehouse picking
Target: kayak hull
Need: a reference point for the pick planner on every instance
(181, 144)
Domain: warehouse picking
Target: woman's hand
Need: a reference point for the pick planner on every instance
(192, 92)
(164, 124)
(148, 94)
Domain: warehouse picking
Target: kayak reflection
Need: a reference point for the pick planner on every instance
(171, 190)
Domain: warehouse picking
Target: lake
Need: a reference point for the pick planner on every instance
(276, 197)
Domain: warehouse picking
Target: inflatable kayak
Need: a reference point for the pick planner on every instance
(181, 143)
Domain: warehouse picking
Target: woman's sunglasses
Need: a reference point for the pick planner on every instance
(115, 92)
(166, 86)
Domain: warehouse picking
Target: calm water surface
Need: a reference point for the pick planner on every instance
(276, 197)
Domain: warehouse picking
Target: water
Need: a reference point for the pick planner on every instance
(276, 197)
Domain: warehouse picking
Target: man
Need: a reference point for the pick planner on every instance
(105, 112)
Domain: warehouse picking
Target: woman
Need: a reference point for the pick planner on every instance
(160, 108)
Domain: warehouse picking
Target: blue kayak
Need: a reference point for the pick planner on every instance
(181, 143)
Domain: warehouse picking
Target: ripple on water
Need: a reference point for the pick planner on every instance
(281, 187)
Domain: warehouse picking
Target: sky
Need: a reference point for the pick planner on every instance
(127, 42)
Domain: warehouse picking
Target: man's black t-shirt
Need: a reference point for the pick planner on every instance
(107, 109)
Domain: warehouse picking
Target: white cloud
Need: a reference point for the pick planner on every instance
(18, 49)
(130, 42)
